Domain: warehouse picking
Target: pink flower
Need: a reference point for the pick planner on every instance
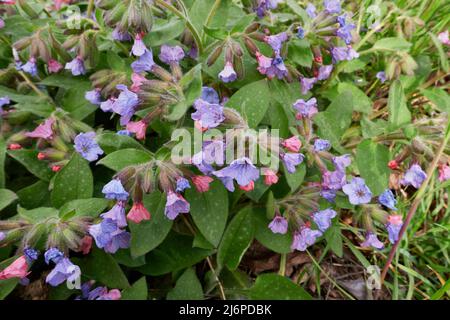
(138, 213)
(248, 187)
(14, 146)
(198, 126)
(17, 269)
(139, 128)
(59, 3)
(270, 177)
(201, 183)
(444, 38)
(113, 294)
(138, 80)
(86, 245)
(264, 63)
(44, 130)
(293, 144)
(444, 172)
(54, 66)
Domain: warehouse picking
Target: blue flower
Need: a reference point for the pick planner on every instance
(125, 104)
(242, 170)
(311, 10)
(279, 224)
(332, 6)
(64, 270)
(207, 115)
(372, 241)
(170, 54)
(228, 74)
(76, 66)
(53, 255)
(381, 75)
(116, 214)
(323, 218)
(300, 33)
(109, 236)
(30, 67)
(304, 238)
(210, 95)
(321, 145)
(144, 63)
(182, 184)
(93, 96)
(30, 254)
(115, 190)
(291, 160)
(357, 191)
(387, 199)
(415, 176)
(175, 205)
(86, 145)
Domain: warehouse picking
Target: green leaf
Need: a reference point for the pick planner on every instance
(28, 158)
(73, 181)
(164, 31)
(38, 214)
(252, 101)
(439, 97)
(6, 198)
(236, 240)
(126, 157)
(102, 267)
(392, 44)
(110, 142)
(442, 53)
(243, 23)
(147, 235)
(294, 180)
(361, 102)
(372, 159)
(280, 243)
(34, 195)
(92, 207)
(298, 10)
(336, 119)
(272, 286)
(334, 240)
(188, 287)
(278, 119)
(398, 111)
(209, 210)
(138, 291)
(216, 33)
(175, 253)
(299, 52)
(124, 257)
(258, 191)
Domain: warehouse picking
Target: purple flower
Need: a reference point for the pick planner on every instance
(242, 170)
(387, 199)
(94, 96)
(332, 6)
(228, 183)
(144, 63)
(171, 55)
(323, 218)
(116, 214)
(277, 69)
(121, 36)
(107, 105)
(115, 190)
(175, 205)
(228, 74)
(125, 104)
(210, 95)
(372, 241)
(124, 133)
(345, 32)
(182, 184)
(53, 255)
(265, 5)
(2, 236)
(63, 271)
(321, 145)
(415, 176)
(342, 162)
(357, 191)
(311, 10)
(328, 194)
(324, 72)
(306, 109)
(4, 101)
(139, 47)
(381, 76)
(393, 226)
(304, 238)
(276, 41)
(76, 66)
(291, 160)
(343, 53)
(109, 237)
(99, 293)
(208, 115)
(86, 145)
(300, 33)
(30, 67)
(307, 84)
(30, 254)
(333, 180)
(279, 224)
